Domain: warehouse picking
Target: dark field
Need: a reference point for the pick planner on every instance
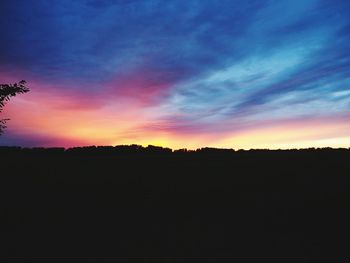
(131, 204)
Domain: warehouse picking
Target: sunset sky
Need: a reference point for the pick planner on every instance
(184, 73)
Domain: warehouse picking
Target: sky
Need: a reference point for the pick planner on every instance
(180, 74)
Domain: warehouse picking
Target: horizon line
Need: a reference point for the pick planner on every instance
(169, 148)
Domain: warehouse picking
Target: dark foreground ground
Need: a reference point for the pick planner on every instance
(151, 205)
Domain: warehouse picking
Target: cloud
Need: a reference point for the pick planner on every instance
(191, 68)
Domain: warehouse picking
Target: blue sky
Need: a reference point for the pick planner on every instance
(193, 67)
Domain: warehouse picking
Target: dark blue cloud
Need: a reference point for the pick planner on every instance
(96, 39)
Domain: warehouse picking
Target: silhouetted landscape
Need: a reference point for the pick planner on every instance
(153, 204)
(247, 74)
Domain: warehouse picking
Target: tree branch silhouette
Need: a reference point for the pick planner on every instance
(6, 92)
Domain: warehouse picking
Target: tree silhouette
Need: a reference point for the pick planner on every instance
(6, 92)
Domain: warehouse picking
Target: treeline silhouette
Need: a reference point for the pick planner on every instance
(151, 149)
(154, 204)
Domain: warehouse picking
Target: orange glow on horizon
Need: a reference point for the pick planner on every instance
(67, 120)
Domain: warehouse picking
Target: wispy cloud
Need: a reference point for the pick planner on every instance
(179, 70)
